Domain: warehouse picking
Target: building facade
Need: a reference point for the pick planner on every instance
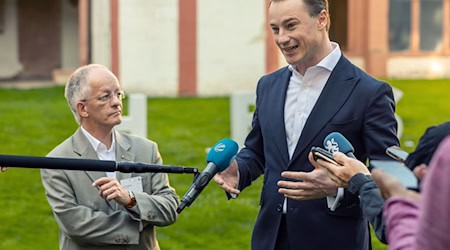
(209, 47)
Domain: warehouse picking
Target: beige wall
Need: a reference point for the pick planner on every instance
(9, 43)
(231, 45)
(69, 35)
(418, 67)
(148, 46)
(101, 32)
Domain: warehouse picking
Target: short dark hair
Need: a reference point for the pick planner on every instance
(315, 7)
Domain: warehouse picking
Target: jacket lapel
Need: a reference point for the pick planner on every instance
(123, 154)
(84, 149)
(277, 123)
(336, 91)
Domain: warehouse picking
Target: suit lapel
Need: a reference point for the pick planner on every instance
(277, 105)
(123, 154)
(84, 149)
(336, 91)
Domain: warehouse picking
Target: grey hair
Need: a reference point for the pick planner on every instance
(78, 87)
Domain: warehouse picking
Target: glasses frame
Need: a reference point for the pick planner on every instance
(104, 98)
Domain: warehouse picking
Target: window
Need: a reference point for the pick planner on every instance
(431, 24)
(417, 26)
(399, 25)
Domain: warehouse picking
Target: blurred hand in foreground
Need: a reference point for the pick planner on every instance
(391, 186)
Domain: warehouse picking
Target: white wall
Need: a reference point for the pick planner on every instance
(149, 46)
(231, 45)
(101, 32)
(9, 42)
(70, 56)
(418, 67)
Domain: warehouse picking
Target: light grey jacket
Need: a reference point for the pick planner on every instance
(86, 220)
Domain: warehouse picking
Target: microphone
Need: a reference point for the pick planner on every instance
(139, 167)
(89, 165)
(218, 159)
(336, 142)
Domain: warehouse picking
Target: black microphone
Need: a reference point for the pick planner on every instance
(89, 165)
(336, 142)
(218, 159)
(139, 167)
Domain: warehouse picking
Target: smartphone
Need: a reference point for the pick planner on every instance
(396, 153)
(320, 153)
(399, 171)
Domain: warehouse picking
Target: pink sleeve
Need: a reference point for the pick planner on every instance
(411, 225)
(401, 222)
(434, 220)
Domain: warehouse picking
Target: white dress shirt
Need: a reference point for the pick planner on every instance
(302, 94)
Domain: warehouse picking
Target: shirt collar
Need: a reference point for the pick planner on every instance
(329, 62)
(96, 143)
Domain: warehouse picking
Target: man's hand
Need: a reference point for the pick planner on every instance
(3, 169)
(390, 186)
(307, 185)
(420, 171)
(342, 174)
(228, 179)
(110, 188)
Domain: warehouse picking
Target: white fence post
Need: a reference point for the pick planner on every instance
(398, 94)
(242, 105)
(136, 120)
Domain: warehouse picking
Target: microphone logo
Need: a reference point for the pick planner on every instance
(331, 145)
(219, 147)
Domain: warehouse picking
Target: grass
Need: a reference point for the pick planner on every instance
(34, 121)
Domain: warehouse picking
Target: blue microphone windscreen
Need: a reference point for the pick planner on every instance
(336, 142)
(222, 153)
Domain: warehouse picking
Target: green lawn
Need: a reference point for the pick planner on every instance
(34, 121)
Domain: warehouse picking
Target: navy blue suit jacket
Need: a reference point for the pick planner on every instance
(352, 103)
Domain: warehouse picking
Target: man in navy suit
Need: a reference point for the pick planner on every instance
(296, 108)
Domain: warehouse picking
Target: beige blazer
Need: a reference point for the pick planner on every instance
(86, 220)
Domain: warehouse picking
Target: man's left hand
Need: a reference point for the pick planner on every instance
(307, 185)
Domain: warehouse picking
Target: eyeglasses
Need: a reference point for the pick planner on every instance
(107, 97)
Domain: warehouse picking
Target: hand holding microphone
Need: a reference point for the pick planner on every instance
(218, 159)
(342, 152)
(317, 183)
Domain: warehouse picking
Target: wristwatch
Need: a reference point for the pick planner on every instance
(132, 202)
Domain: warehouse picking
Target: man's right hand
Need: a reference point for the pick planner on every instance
(3, 169)
(228, 179)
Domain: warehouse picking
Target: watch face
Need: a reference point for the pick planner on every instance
(132, 202)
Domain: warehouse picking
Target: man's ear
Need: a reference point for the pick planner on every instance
(82, 109)
(323, 20)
